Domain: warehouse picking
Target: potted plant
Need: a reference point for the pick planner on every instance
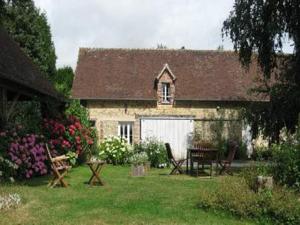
(138, 164)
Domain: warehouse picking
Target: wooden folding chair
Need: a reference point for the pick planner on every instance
(60, 167)
(226, 164)
(176, 163)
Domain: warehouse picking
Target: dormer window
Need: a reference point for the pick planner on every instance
(165, 86)
(166, 98)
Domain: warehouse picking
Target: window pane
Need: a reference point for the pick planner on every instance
(92, 123)
(130, 134)
(165, 92)
(125, 131)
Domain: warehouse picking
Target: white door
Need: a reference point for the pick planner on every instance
(176, 131)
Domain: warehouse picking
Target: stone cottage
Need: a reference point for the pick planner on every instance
(167, 94)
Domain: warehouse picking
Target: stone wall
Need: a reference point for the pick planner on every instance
(108, 114)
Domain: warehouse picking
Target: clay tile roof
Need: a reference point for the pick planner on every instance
(131, 73)
(16, 67)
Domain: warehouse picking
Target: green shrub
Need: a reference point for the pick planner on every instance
(115, 150)
(223, 148)
(250, 174)
(262, 153)
(155, 150)
(286, 159)
(286, 164)
(233, 195)
(242, 151)
(139, 158)
(79, 111)
(7, 169)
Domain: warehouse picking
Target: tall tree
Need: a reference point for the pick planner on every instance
(29, 27)
(1, 11)
(63, 80)
(259, 29)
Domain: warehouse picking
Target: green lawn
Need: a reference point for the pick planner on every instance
(154, 199)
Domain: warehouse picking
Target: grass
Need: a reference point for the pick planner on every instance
(154, 199)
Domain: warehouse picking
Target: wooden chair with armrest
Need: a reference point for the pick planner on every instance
(226, 163)
(60, 168)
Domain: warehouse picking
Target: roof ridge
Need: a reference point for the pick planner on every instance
(93, 49)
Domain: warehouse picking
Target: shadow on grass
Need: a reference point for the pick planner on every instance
(37, 181)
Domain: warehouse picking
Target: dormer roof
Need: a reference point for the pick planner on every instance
(166, 68)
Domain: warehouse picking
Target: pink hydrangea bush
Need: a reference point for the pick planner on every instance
(29, 154)
(68, 135)
(26, 152)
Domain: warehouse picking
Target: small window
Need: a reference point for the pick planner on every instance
(166, 93)
(92, 123)
(125, 131)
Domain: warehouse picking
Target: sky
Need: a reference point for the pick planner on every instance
(195, 24)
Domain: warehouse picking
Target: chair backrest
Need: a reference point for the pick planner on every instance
(233, 148)
(169, 151)
(48, 153)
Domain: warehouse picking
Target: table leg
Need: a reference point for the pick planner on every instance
(187, 162)
(95, 175)
(191, 165)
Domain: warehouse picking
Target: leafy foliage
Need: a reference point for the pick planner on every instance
(23, 154)
(286, 158)
(63, 80)
(69, 135)
(29, 115)
(262, 27)
(7, 169)
(2, 10)
(155, 151)
(139, 158)
(233, 194)
(77, 110)
(29, 27)
(115, 150)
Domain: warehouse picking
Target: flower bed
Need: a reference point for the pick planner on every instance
(68, 135)
(115, 150)
(24, 155)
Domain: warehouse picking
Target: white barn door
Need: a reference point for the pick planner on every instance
(175, 131)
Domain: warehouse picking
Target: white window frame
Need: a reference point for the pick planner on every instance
(125, 131)
(166, 92)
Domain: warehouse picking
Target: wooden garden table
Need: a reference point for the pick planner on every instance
(95, 167)
(203, 156)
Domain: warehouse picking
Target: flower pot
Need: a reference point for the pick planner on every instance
(147, 166)
(264, 183)
(138, 170)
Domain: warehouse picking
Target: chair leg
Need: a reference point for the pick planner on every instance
(177, 168)
(52, 181)
(59, 178)
(173, 172)
(222, 169)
